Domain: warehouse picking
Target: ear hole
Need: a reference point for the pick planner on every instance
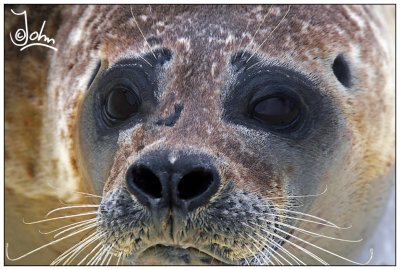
(341, 70)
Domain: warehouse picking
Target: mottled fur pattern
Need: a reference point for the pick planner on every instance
(214, 48)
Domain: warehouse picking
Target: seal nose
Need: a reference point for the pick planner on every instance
(186, 183)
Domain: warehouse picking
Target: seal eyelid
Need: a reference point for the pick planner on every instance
(279, 111)
(341, 70)
(158, 57)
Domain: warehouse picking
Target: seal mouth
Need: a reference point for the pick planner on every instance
(164, 254)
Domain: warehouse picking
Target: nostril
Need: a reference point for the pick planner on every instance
(194, 184)
(145, 181)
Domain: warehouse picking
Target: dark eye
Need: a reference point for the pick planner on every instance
(121, 103)
(276, 110)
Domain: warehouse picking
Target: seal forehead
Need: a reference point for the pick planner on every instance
(311, 26)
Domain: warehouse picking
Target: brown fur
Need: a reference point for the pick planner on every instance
(42, 106)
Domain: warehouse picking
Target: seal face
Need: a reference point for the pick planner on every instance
(229, 134)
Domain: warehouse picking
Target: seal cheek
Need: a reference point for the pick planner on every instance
(118, 169)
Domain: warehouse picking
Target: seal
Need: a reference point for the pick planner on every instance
(216, 134)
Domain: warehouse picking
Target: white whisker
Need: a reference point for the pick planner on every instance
(265, 240)
(46, 245)
(300, 196)
(62, 217)
(119, 258)
(98, 246)
(69, 225)
(69, 229)
(106, 255)
(255, 33)
(315, 217)
(82, 247)
(241, 40)
(88, 194)
(315, 234)
(325, 250)
(289, 242)
(144, 59)
(262, 43)
(87, 255)
(77, 192)
(259, 250)
(98, 256)
(72, 207)
(275, 257)
(111, 256)
(140, 30)
(285, 251)
(101, 256)
(252, 254)
(72, 249)
(302, 219)
(252, 66)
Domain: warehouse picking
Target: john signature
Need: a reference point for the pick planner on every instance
(25, 39)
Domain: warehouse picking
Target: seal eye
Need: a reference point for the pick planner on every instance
(122, 102)
(279, 111)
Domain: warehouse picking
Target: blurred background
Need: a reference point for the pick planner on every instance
(383, 239)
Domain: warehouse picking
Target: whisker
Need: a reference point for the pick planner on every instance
(275, 257)
(81, 248)
(99, 245)
(62, 217)
(315, 234)
(144, 59)
(263, 256)
(71, 249)
(273, 243)
(140, 30)
(69, 225)
(97, 257)
(71, 207)
(111, 256)
(315, 217)
(302, 219)
(119, 258)
(246, 261)
(325, 250)
(106, 255)
(87, 255)
(259, 250)
(300, 196)
(252, 66)
(241, 40)
(262, 43)
(252, 254)
(285, 251)
(69, 229)
(291, 243)
(255, 33)
(88, 194)
(103, 256)
(77, 192)
(46, 245)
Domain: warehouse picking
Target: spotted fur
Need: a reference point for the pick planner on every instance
(350, 153)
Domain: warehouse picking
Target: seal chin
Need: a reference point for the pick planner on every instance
(174, 255)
